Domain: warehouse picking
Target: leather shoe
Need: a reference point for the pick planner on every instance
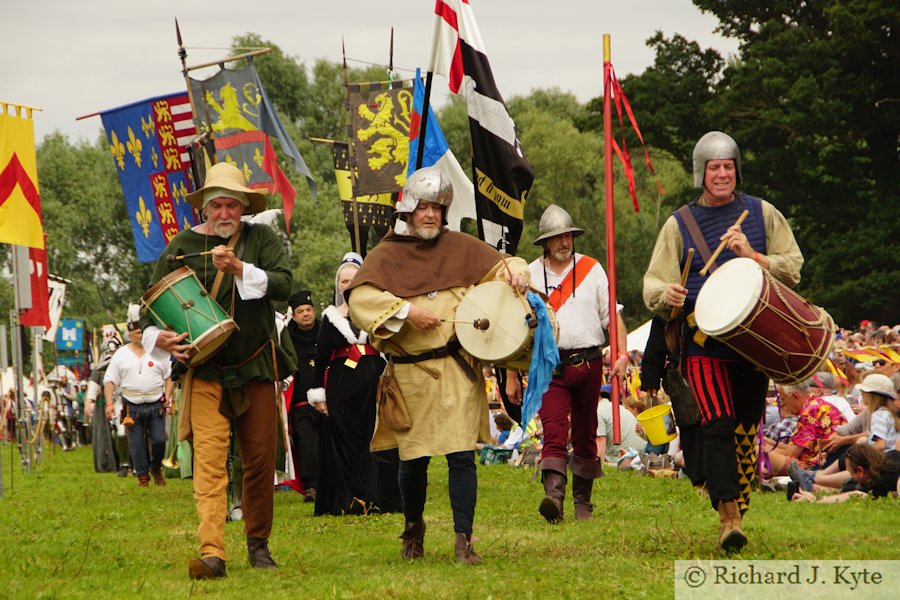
(259, 555)
(158, 477)
(211, 567)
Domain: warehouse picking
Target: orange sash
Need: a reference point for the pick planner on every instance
(562, 293)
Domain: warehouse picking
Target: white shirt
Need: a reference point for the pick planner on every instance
(627, 427)
(137, 376)
(585, 314)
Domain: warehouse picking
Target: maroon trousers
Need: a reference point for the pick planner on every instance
(571, 402)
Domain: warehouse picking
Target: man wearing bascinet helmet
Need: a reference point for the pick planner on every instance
(237, 383)
(407, 289)
(729, 390)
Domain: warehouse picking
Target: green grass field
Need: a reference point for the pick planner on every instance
(67, 532)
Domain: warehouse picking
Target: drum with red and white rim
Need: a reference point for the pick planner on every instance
(745, 307)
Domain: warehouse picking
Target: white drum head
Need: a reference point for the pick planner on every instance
(728, 296)
(507, 331)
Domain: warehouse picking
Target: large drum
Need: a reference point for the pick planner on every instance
(507, 340)
(766, 322)
(179, 302)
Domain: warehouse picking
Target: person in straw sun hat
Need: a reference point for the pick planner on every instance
(245, 269)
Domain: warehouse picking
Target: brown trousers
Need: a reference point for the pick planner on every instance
(256, 430)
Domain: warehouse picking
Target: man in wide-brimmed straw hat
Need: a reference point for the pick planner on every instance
(245, 269)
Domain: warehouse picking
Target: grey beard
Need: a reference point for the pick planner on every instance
(563, 255)
(422, 234)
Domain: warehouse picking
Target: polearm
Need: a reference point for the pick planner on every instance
(182, 56)
(610, 235)
(426, 101)
(351, 155)
(185, 72)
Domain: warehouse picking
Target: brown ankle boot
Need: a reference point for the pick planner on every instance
(551, 507)
(581, 495)
(143, 480)
(258, 554)
(211, 567)
(413, 540)
(465, 550)
(158, 477)
(731, 538)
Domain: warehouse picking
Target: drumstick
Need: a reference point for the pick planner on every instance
(480, 324)
(721, 247)
(171, 259)
(684, 276)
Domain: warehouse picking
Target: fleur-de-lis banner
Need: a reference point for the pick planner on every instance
(148, 141)
(380, 115)
(234, 106)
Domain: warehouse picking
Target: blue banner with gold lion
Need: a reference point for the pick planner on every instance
(148, 141)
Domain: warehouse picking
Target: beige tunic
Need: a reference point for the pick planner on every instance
(449, 413)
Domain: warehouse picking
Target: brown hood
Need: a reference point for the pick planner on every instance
(406, 265)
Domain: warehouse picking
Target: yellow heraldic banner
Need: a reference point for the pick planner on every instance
(380, 114)
(20, 201)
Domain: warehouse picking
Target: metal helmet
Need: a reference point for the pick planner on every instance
(555, 221)
(715, 145)
(428, 184)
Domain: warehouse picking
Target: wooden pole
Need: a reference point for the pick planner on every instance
(610, 234)
(354, 205)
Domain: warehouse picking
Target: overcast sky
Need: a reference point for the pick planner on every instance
(73, 58)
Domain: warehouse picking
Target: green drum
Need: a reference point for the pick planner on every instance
(179, 302)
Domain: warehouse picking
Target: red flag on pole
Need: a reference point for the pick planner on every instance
(39, 313)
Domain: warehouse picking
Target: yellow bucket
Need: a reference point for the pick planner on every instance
(659, 424)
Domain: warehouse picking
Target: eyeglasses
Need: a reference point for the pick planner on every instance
(879, 363)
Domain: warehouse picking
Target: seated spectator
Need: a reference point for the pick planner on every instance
(879, 431)
(789, 410)
(504, 424)
(824, 386)
(870, 471)
(816, 422)
(627, 428)
(880, 397)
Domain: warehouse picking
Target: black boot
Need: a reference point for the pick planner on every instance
(259, 555)
(413, 540)
(551, 507)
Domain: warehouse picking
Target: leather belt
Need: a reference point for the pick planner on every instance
(142, 403)
(451, 350)
(154, 393)
(576, 358)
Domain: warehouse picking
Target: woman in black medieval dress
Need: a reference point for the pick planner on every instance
(352, 480)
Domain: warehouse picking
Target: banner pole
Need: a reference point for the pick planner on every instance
(610, 235)
(354, 205)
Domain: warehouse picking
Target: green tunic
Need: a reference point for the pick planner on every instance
(256, 318)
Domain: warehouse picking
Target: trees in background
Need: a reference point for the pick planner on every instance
(812, 98)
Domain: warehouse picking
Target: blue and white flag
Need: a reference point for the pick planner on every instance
(437, 153)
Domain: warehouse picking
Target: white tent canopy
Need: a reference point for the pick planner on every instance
(637, 339)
